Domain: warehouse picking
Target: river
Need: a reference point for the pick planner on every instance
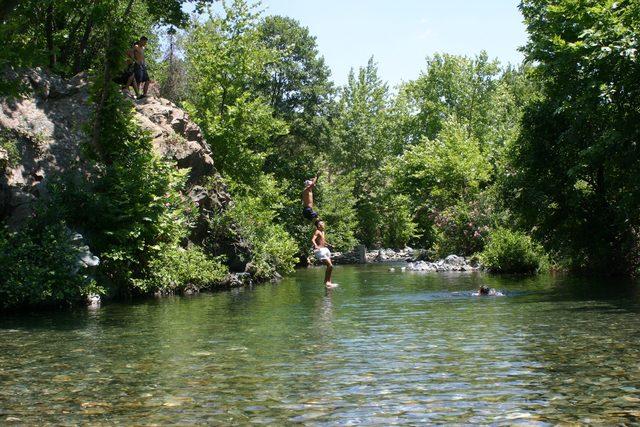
(383, 348)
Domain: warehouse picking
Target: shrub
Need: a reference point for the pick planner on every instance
(135, 209)
(39, 266)
(176, 268)
(462, 228)
(512, 252)
(398, 226)
(9, 146)
(250, 222)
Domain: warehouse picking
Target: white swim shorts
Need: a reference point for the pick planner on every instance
(322, 254)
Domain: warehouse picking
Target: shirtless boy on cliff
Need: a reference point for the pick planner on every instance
(140, 66)
(307, 199)
(322, 253)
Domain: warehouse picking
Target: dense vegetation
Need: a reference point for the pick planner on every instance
(470, 157)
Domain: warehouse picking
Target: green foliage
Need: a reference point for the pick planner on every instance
(337, 209)
(39, 265)
(226, 61)
(253, 220)
(137, 206)
(176, 268)
(512, 252)
(397, 225)
(362, 132)
(444, 169)
(69, 36)
(571, 172)
(462, 228)
(363, 140)
(9, 146)
(452, 86)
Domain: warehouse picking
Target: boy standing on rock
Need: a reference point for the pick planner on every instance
(140, 66)
(322, 253)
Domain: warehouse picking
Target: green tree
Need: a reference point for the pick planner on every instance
(226, 62)
(439, 175)
(363, 140)
(449, 86)
(297, 86)
(574, 168)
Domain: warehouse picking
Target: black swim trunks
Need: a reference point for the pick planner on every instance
(141, 73)
(309, 213)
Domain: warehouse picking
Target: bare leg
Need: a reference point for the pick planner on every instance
(132, 82)
(327, 274)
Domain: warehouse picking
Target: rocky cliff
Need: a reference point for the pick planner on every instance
(41, 135)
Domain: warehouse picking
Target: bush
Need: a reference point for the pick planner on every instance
(176, 268)
(39, 266)
(135, 209)
(251, 220)
(462, 228)
(9, 148)
(512, 252)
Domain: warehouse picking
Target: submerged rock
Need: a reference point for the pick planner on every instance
(235, 280)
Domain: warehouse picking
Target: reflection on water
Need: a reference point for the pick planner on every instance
(382, 348)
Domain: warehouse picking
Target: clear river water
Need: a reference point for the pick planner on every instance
(383, 348)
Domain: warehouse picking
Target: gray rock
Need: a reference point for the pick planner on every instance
(450, 263)
(455, 260)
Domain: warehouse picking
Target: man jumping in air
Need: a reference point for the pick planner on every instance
(322, 253)
(307, 199)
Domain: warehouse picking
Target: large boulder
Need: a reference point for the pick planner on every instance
(175, 137)
(49, 120)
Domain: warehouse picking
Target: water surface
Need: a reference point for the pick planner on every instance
(383, 348)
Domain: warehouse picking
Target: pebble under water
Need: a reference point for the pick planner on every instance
(383, 348)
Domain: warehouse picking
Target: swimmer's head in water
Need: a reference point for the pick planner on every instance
(484, 290)
(308, 182)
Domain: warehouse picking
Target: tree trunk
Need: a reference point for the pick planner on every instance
(106, 79)
(49, 29)
(82, 47)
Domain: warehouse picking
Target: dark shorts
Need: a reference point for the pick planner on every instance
(141, 73)
(309, 213)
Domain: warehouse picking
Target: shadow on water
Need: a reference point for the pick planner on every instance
(611, 293)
